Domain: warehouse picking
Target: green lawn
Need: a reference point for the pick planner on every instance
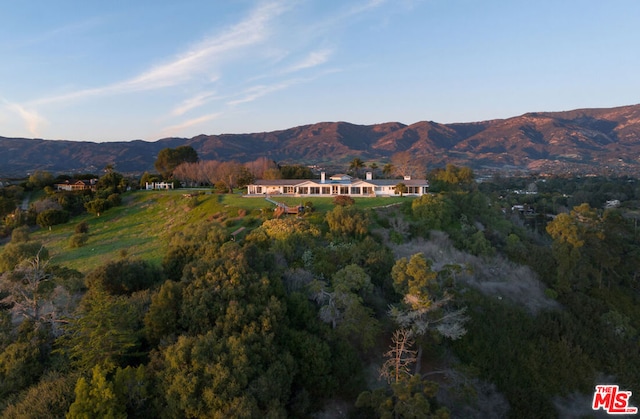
(142, 225)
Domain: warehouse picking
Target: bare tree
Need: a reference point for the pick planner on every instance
(228, 173)
(259, 166)
(400, 357)
(189, 172)
(209, 171)
(31, 291)
(407, 164)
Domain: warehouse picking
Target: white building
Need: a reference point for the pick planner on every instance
(158, 185)
(339, 184)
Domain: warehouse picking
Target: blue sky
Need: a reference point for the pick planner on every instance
(148, 69)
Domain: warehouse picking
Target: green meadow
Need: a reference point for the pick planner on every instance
(142, 225)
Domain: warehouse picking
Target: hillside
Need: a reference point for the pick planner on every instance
(302, 312)
(579, 141)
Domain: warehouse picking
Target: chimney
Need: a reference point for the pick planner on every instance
(407, 177)
(369, 175)
(322, 177)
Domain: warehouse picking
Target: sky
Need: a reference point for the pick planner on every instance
(149, 69)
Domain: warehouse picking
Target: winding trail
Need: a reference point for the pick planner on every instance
(25, 202)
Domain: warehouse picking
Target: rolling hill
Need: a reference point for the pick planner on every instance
(580, 141)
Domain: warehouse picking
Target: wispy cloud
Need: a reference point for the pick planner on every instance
(178, 129)
(192, 103)
(200, 59)
(32, 120)
(371, 4)
(52, 35)
(255, 92)
(314, 59)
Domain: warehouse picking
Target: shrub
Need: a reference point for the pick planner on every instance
(114, 200)
(82, 227)
(124, 276)
(78, 240)
(343, 200)
(52, 217)
(20, 235)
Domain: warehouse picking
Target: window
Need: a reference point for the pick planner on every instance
(304, 190)
(344, 190)
(314, 190)
(355, 190)
(289, 189)
(326, 190)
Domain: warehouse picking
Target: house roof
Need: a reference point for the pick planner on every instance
(354, 182)
(279, 182)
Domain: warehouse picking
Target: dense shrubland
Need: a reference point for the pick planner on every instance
(451, 304)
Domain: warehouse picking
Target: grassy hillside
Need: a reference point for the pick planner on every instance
(141, 226)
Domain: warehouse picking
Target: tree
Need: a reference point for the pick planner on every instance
(14, 253)
(355, 165)
(260, 166)
(7, 206)
(111, 182)
(49, 398)
(405, 399)
(588, 246)
(103, 332)
(51, 217)
(40, 179)
(189, 173)
(123, 277)
(450, 178)
(407, 164)
(229, 360)
(20, 365)
(96, 398)
(400, 357)
(296, 172)
(425, 306)
(435, 212)
(29, 287)
(161, 321)
(229, 173)
(373, 166)
(169, 158)
(97, 206)
(148, 178)
(347, 221)
(341, 305)
(388, 170)
(401, 188)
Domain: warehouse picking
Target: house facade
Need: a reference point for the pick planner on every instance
(158, 185)
(76, 185)
(339, 184)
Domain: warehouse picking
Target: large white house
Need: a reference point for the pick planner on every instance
(339, 184)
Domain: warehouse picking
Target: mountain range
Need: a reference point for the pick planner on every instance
(582, 141)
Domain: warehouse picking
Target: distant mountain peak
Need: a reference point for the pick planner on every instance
(602, 140)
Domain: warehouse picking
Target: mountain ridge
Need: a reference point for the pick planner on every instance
(580, 141)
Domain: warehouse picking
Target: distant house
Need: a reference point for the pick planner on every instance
(339, 184)
(76, 185)
(158, 185)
